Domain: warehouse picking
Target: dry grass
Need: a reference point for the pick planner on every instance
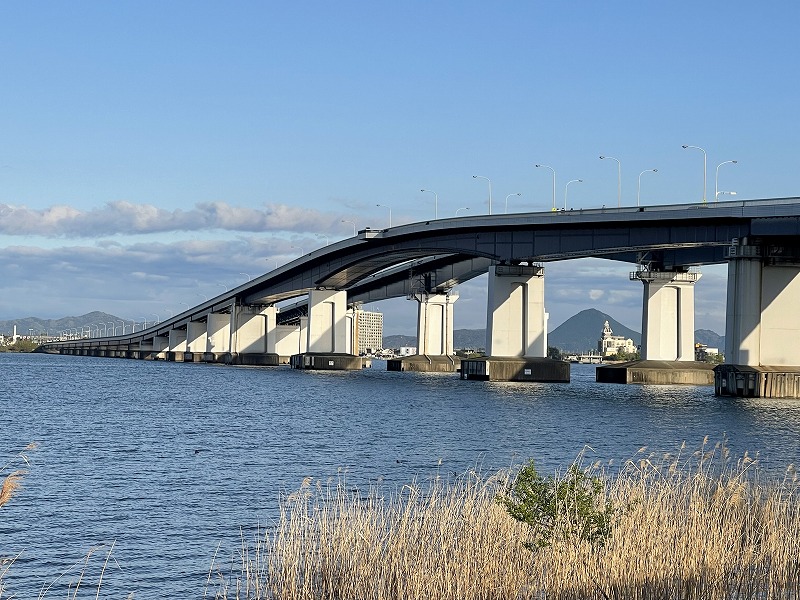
(689, 527)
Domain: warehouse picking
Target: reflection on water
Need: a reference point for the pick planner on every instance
(170, 460)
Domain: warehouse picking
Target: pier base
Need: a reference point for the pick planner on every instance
(500, 368)
(757, 382)
(660, 372)
(264, 359)
(425, 364)
(326, 362)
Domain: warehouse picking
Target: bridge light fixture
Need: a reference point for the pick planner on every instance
(716, 179)
(490, 189)
(353, 223)
(619, 178)
(705, 161)
(435, 203)
(460, 209)
(639, 187)
(554, 182)
(566, 189)
(509, 196)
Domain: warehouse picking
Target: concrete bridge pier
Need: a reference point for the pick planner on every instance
(434, 336)
(196, 341)
(762, 322)
(177, 345)
(327, 334)
(516, 330)
(667, 352)
(253, 339)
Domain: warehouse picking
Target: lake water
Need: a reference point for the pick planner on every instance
(170, 461)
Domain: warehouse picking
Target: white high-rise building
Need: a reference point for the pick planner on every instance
(368, 331)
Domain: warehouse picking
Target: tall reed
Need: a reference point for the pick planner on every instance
(691, 526)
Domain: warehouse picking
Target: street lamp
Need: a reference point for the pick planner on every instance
(509, 196)
(390, 213)
(246, 275)
(566, 189)
(460, 209)
(490, 189)
(435, 203)
(319, 235)
(619, 179)
(716, 179)
(720, 193)
(298, 248)
(639, 187)
(353, 223)
(705, 157)
(554, 182)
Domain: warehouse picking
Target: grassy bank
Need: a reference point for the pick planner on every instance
(684, 527)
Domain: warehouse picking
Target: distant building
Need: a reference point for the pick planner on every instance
(611, 344)
(407, 350)
(703, 353)
(368, 329)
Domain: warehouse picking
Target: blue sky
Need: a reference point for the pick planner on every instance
(254, 128)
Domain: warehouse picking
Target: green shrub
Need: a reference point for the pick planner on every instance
(568, 508)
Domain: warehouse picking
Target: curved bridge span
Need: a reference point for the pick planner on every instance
(431, 257)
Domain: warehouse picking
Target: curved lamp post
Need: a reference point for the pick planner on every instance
(639, 186)
(619, 178)
(435, 203)
(460, 209)
(353, 223)
(705, 157)
(322, 235)
(716, 179)
(554, 182)
(566, 189)
(509, 196)
(490, 189)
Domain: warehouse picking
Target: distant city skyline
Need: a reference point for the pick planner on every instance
(157, 154)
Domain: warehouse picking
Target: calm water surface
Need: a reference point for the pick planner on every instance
(171, 461)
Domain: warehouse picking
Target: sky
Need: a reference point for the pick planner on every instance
(155, 154)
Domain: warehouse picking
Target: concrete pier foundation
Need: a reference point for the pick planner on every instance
(762, 322)
(659, 372)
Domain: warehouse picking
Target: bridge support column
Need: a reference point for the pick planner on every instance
(434, 336)
(253, 335)
(218, 337)
(762, 323)
(177, 345)
(516, 330)
(667, 352)
(667, 314)
(327, 335)
(196, 340)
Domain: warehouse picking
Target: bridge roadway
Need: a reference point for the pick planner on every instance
(435, 255)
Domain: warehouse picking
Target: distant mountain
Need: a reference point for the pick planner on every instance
(398, 341)
(56, 326)
(582, 332)
(462, 338)
(710, 339)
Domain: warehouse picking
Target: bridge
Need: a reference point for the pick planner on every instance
(424, 261)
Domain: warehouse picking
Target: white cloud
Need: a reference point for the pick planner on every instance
(123, 217)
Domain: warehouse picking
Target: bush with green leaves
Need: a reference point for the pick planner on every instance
(568, 508)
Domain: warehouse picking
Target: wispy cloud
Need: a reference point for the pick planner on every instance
(122, 217)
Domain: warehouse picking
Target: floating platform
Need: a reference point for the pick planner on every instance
(501, 368)
(743, 381)
(659, 372)
(326, 362)
(425, 364)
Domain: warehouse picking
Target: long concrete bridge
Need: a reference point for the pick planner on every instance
(424, 261)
